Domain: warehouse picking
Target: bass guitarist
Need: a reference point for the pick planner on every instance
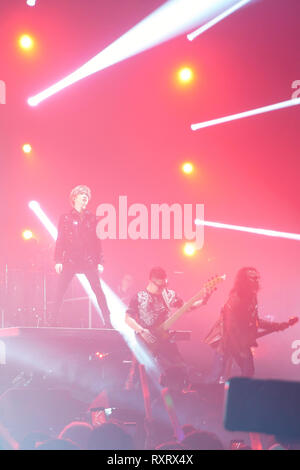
(147, 310)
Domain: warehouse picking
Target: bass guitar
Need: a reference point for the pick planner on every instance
(161, 333)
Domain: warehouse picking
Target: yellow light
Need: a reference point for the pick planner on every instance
(26, 42)
(27, 234)
(27, 148)
(189, 249)
(185, 75)
(187, 168)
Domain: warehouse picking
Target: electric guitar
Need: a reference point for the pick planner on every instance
(271, 329)
(160, 333)
(282, 326)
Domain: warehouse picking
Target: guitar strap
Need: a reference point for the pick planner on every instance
(166, 299)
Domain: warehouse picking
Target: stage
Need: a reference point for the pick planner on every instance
(51, 376)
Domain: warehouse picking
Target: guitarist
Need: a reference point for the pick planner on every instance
(236, 330)
(148, 309)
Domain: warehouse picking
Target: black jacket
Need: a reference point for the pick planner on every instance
(237, 328)
(77, 243)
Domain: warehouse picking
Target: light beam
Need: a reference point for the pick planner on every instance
(257, 231)
(217, 19)
(170, 20)
(253, 112)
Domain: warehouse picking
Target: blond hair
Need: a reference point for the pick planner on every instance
(81, 189)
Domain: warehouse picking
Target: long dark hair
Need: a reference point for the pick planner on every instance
(241, 284)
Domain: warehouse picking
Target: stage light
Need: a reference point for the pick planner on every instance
(34, 205)
(216, 20)
(257, 231)
(27, 148)
(26, 42)
(173, 18)
(189, 249)
(185, 75)
(253, 112)
(100, 355)
(31, 3)
(187, 168)
(27, 234)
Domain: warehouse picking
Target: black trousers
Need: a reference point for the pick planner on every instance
(170, 362)
(221, 362)
(92, 276)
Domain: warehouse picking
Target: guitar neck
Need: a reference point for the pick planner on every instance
(265, 333)
(169, 322)
(204, 293)
(284, 326)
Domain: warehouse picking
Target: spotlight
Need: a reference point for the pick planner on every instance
(26, 42)
(31, 3)
(185, 75)
(189, 249)
(27, 234)
(187, 168)
(100, 355)
(27, 148)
